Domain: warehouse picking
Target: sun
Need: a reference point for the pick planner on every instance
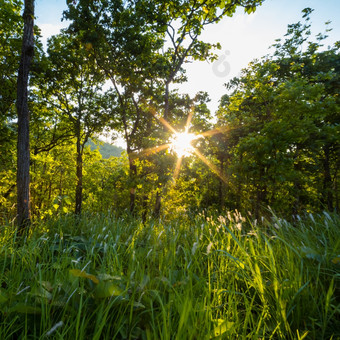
(180, 143)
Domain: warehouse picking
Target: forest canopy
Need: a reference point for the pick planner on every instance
(273, 142)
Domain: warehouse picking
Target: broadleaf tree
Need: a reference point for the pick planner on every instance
(73, 92)
(23, 144)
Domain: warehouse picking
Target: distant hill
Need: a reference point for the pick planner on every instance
(107, 150)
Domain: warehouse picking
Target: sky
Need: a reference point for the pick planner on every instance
(243, 38)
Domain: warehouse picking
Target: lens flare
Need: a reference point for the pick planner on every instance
(180, 143)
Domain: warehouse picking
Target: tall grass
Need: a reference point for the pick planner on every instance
(206, 277)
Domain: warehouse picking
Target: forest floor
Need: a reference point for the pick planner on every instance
(203, 277)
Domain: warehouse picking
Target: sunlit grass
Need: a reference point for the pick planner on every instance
(202, 277)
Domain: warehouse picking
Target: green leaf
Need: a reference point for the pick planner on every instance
(107, 289)
(80, 273)
(336, 260)
(25, 309)
(222, 327)
(311, 254)
(138, 305)
(3, 297)
(108, 277)
(41, 292)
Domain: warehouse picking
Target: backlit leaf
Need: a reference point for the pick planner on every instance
(107, 289)
(336, 260)
(80, 273)
(222, 327)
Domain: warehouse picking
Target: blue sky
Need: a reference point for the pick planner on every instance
(243, 37)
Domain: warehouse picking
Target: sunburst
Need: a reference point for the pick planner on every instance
(181, 143)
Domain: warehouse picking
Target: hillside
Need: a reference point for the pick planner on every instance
(107, 150)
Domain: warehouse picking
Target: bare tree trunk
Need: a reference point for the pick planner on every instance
(327, 194)
(144, 208)
(132, 174)
(261, 194)
(158, 202)
(132, 178)
(79, 172)
(221, 187)
(336, 195)
(23, 144)
(166, 102)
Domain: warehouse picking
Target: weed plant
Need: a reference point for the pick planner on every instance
(204, 277)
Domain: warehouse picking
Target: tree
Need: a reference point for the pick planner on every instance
(283, 112)
(23, 150)
(73, 92)
(183, 23)
(11, 26)
(127, 41)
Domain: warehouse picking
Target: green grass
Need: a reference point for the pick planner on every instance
(194, 278)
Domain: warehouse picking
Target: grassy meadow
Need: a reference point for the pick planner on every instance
(195, 277)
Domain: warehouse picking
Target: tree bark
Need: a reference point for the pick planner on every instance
(158, 202)
(327, 194)
(166, 102)
(221, 186)
(79, 173)
(23, 143)
(144, 208)
(261, 194)
(133, 175)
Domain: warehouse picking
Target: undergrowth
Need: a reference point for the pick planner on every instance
(207, 277)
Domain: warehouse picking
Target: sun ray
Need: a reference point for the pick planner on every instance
(177, 168)
(212, 167)
(163, 121)
(216, 131)
(150, 151)
(189, 119)
(181, 144)
(166, 124)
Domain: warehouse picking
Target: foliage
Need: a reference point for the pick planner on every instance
(11, 25)
(107, 150)
(283, 144)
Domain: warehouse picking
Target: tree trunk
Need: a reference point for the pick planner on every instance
(23, 149)
(79, 172)
(132, 178)
(336, 195)
(239, 187)
(166, 102)
(144, 208)
(297, 186)
(327, 194)
(221, 187)
(158, 202)
(261, 194)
